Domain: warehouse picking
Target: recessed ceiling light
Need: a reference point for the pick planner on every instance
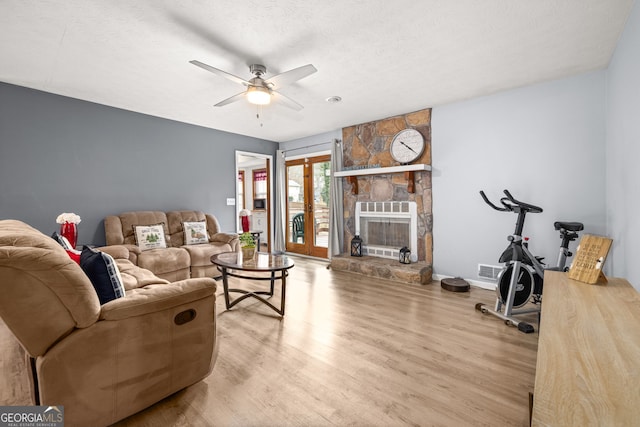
(333, 99)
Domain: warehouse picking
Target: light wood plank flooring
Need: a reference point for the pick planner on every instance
(351, 351)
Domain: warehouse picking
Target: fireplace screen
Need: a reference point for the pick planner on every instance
(385, 227)
(384, 232)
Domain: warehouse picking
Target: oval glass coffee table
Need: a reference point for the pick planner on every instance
(231, 264)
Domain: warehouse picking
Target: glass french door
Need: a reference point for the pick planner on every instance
(308, 205)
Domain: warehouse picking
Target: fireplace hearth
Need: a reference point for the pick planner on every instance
(418, 273)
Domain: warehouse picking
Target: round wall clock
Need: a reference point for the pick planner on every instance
(406, 146)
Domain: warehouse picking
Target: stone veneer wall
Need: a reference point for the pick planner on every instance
(368, 144)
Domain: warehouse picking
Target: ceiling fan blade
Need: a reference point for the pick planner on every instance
(286, 101)
(220, 72)
(291, 76)
(234, 98)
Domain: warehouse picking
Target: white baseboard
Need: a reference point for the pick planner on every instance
(477, 283)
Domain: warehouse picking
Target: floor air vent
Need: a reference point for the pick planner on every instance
(489, 272)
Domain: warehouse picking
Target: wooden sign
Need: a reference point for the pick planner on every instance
(590, 257)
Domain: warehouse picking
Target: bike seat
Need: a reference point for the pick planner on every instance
(569, 226)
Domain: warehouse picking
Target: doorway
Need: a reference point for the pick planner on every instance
(253, 193)
(308, 181)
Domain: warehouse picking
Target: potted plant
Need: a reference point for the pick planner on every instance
(248, 245)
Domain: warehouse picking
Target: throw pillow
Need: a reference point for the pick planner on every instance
(195, 232)
(149, 236)
(103, 272)
(74, 255)
(61, 240)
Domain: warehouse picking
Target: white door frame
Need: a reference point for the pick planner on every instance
(271, 199)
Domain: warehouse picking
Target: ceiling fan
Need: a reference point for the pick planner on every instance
(259, 90)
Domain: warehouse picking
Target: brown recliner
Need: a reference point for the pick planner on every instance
(170, 263)
(102, 363)
(200, 254)
(177, 261)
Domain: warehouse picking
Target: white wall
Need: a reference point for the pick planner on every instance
(623, 153)
(545, 143)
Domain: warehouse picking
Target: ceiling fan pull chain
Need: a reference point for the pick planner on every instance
(258, 111)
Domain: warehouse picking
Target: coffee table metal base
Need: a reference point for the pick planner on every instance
(254, 294)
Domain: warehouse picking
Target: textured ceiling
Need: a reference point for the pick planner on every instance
(382, 57)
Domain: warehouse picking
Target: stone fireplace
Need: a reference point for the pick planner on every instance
(366, 146)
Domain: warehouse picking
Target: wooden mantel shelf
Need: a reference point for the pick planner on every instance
(382, 171)
(408, 171)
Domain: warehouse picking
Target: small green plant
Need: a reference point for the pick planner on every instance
(247, 241)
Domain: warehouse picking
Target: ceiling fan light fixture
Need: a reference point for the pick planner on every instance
(258, 95)
(259, 90)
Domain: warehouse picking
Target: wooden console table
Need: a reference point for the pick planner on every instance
(588, 368)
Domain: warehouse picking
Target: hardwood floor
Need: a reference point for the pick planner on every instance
(351, 350)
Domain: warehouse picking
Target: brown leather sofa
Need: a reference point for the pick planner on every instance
(102, 363)
(177, 261)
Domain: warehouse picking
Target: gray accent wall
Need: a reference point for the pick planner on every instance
(545, 143)
(60, 154)
(623, 152)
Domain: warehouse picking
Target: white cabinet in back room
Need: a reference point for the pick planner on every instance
(259, 223)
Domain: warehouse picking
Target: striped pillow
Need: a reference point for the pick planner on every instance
(103, 273)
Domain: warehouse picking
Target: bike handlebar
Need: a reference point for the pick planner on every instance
(505, 209)
(510, 203)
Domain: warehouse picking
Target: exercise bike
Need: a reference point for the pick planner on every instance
(521, 279)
